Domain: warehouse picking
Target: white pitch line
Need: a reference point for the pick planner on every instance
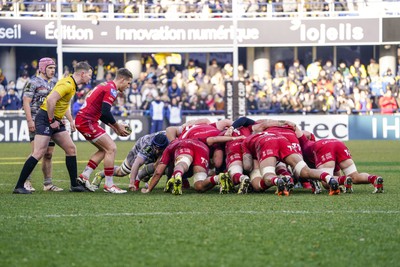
(161, 213)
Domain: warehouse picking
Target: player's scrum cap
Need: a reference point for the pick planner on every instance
(44, 63)
(160, 140)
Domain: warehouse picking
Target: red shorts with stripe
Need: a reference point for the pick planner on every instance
(233, 152)
(89, 129)
(196, 149)
(274, 146)
(330, 150)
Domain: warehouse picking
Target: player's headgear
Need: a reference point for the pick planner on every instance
(160, 140)
(242, 121)
(44, 63)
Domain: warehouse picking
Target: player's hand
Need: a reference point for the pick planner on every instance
(73, 127)
(145, 190)
(55, 125)
(121, 129)
(31, 126)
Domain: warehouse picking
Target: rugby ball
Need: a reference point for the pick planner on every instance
(128, 128)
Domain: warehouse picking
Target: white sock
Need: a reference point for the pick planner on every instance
(109, 181)
(87, 172)
(216, 179)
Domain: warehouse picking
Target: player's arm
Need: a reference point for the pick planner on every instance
(222, 124)
(265, 124)
(139, 161)
(51, 102)
(222, 139)
(26, 104)
(108, 118)
(198, 121)
(156, 177)
(68, 115)
(247, 157)
(172, 132)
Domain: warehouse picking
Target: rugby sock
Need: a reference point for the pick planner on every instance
(372, 178)
(108, 172)
(89, 168)
(214, 179)
(72, 168)
(283, 172)
(325, 177)
(236, 178)
(274, 180)
(29, 166)
(341, 180)
(47, 181)
(263, 185)
(177, 172)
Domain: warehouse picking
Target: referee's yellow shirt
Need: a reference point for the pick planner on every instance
(66, 88)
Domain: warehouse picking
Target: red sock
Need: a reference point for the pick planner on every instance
(109, 171)
(372, 178)
(263, 185)
(323, 176)
(92, 164)
(341, 179)
(236, 178)
(212, 180)
(273, 180)
(283, 172)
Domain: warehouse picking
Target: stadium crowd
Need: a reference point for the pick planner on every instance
(183, 8)
(320, 88)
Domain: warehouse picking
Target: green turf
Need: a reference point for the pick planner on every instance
(158, 229)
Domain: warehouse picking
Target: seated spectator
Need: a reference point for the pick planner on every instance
(320, 104)
(373, 68)
(344, 103)
(358, 71)
(219, 102)
(10, 101)
(174, 91)
(313, 70)
(149, 87)
(213, 68)
(330, 69)
(252, 104)
(3, 79)
(280, 70)
(363, 103)
(21, 82)
(387, 103)
(275, 106)
(308, 102)
(297, 70)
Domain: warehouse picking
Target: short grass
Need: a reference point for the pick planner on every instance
(158, 229)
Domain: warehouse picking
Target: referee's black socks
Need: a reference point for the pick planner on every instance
(72, 167)
(29, 166)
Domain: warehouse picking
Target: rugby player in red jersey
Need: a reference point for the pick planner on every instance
(269, 148)
(97, 107)
(332, 156)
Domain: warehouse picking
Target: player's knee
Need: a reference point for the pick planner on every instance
(70, 149)
(48, 156)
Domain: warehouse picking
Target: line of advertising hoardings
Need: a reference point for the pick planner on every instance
(343, 127)
(136, 33)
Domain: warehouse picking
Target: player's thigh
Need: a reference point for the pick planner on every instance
(105, 143)
(63, 140)
(40, 145)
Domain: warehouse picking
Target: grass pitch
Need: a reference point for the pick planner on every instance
(158, 229)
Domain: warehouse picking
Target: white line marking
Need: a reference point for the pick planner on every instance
(161, 213)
